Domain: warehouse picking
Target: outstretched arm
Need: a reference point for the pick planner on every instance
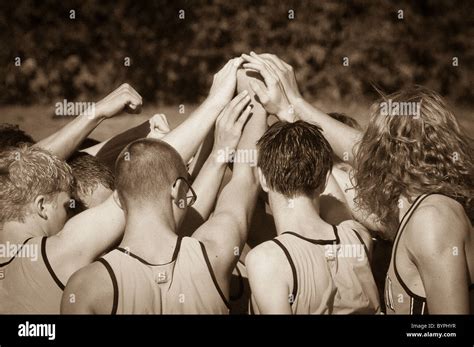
(187, 137)
(282, 98)
(226, 231)
(67, 139)
(85, 237)
(229, 126)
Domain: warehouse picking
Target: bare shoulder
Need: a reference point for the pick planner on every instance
(269, 259)
(89, 290)
(437, 223)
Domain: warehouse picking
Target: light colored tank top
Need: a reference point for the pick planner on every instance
(330, 276)
(30, 286)
(185, 285)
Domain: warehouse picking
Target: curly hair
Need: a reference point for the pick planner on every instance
(405, 155)
(25, 173)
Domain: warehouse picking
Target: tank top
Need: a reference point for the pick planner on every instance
(185, 285)
(330, 276)
(30, 286)
(399, 299)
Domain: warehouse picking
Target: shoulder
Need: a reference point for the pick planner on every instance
(437, 224)
(90, 290)
(267, 259)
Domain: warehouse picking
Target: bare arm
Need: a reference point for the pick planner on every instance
(282, 98)
(267, 269)
(188, 136)
(228, 132)
(67, 139)
(88, 291)
(435, 241)
(367, 219)
(226, 231)
(85, 237)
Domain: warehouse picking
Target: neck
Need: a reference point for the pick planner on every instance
(150, 232)
(299, 215)
(18, 232)
(403, 206)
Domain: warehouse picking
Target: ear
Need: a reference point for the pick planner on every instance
(263, 181)
(40, 206)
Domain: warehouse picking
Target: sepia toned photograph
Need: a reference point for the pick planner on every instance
(217, 157)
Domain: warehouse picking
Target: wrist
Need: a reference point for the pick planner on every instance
(214, 102)
(220, 157)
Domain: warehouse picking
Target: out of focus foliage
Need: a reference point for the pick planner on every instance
(173, 60)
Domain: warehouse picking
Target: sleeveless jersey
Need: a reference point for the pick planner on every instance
(330, 276)
(30, 286)
(185, 285)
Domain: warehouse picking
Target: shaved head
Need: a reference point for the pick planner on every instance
(145, 171)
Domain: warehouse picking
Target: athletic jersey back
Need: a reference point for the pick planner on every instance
(185, 285)
(399, 299)
(28, 285)
(330, 276)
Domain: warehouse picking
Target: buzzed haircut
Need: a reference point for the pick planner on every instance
(12, 136)
(146, 169)
(295, 158)
(25, 173)
(88, 174)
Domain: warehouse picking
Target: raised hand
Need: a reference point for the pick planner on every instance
(123, 98)
(285, 73)
(273, 97)
(159, 126)
(229, 126)
(225, 80)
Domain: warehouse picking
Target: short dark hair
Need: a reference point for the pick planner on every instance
(12, 136)
(294, 158)
(146, 169)
(88, 174)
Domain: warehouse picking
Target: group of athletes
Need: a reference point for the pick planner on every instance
(257, 202)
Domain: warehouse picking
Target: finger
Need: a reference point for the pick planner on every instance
(260, 92)
(134, 92)
(243, 118)
(237, 110)
(263, 70)
(270, 69)
(238, 98)
(221, 115)
(160, 122)
(277, 61)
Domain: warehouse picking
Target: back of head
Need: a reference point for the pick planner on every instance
(91, 179)
(25, 173)
(145, 172)
(12, 136)
(294, 158)
(413, 145)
